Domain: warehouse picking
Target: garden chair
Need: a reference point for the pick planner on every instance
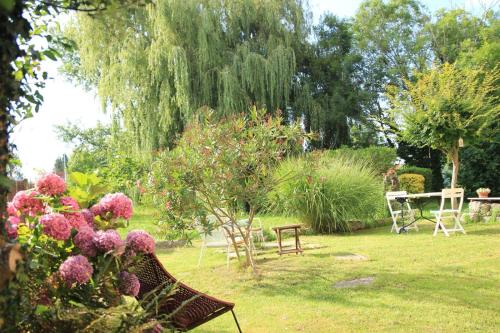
(454, 194)
(229, 232)
(395, 214)
(187, 307)
(220, 237)
(256, 232)
(216, 238)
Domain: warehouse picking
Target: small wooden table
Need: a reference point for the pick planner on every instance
(295, 228)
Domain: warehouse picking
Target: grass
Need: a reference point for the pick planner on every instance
(422, 283)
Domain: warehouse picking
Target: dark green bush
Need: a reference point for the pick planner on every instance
(380, 159)
(425, 172)
(328, 193)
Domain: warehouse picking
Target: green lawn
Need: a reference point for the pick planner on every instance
(422, 283)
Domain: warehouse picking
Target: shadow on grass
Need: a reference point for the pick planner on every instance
(485, 231)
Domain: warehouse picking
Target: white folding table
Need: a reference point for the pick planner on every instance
(403, 198)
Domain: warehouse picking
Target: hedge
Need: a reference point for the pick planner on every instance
(425, 172)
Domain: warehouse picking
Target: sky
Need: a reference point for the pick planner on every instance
(37, 143)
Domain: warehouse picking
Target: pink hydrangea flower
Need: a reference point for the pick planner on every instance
(157, 329)
(140, 241)
(129, 284)
(56, 226)
(88, 216)
(11, 209)
(11, 226)
(70, 203)
(51, 184)
(76, 270)
(97, 210)
(76, 220)
(27, 203)
(118, 204)
(84, 241)
(108, 240)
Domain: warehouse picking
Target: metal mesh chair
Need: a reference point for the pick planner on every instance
(189, 308)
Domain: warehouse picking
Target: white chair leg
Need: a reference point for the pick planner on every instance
(394, 227)
(439, 223)
(436, 228)
(201, 254)
(458, 226)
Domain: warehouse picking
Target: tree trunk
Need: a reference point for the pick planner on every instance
(455, 161)
(454, 174)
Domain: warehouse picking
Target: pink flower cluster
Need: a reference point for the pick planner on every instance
(129, 284)
(76, 269)
(70, 203)
(84, 241)
(11, 226)
(108, 240)
(51, 184)
(114, 204)
(27, 203)
(56, 226)
(140, 241)
(88, 216)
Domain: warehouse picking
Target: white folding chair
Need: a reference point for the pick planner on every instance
(395, 214)
(453, 212)
(215, 238)
(231, 232)
(257, 231)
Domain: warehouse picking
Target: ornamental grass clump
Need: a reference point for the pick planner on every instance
(73, 259)
(328, 194)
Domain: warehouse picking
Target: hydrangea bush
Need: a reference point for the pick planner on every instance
(74, 257)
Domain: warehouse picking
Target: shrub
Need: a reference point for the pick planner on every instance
(71, 264)
(220, 165)
(380, 159)
(412, 183)
(425, 172)
(327, 193)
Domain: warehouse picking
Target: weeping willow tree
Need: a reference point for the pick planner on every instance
(154, 67)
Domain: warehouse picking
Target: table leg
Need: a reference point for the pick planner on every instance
(299, 247)
(278, 234)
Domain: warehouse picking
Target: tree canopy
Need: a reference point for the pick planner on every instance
(162, 63)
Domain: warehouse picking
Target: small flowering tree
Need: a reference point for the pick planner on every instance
(220, 167)
(73, 258)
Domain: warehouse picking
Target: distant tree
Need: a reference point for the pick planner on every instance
(330, 84)
(391, 38)
(156, 67)
(60, 164)
(448, 105)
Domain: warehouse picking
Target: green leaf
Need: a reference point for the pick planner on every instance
(7, 4)
(40, 309)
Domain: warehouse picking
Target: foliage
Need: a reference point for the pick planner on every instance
(454, 31)
(391, 38)
(327, 192)
(330, 96)
(175, 57)
(426, 173)
(97, 151)
(480, 164)
(423, 158)
(86, 189)
(380, 159)
(412, 183)
(219, 167)
(69, 266)
(448, 104)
